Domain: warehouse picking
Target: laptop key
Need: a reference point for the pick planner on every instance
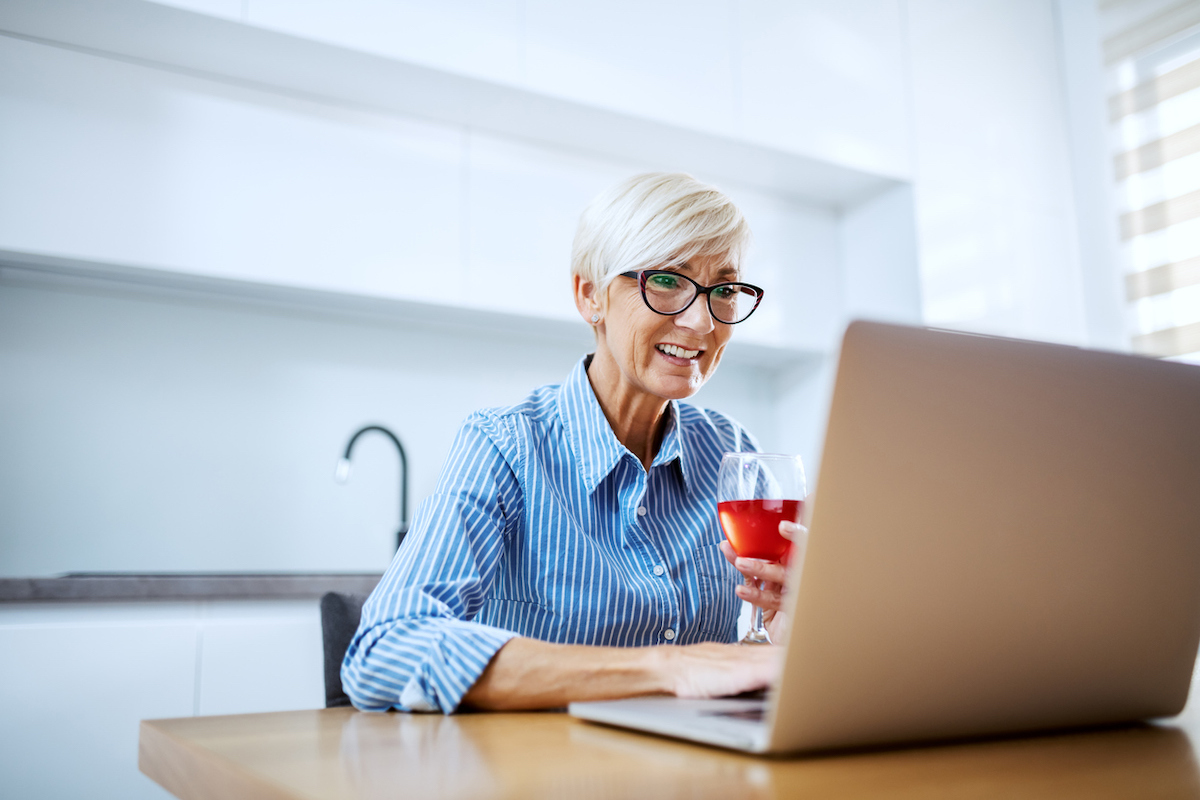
(756, 714)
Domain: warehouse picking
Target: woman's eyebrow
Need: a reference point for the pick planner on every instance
(725, 273)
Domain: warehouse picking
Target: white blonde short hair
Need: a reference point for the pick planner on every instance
(654, 221)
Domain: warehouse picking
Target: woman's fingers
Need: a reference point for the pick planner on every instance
(765, 579)
(768, 597)
(791, 530)
(760, 570)
(754, 568)
(717, 670)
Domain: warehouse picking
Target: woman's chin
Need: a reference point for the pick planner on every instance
(679, 387)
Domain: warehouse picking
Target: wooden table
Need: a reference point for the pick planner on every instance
(342, 753)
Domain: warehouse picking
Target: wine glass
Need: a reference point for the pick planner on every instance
(755, 492)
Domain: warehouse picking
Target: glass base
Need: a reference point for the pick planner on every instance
(756, 637)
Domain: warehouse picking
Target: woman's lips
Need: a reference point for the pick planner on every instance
(688, 358)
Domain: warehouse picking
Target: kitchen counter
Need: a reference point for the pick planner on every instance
(125, 586)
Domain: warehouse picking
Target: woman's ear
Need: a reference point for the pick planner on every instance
(587, 300)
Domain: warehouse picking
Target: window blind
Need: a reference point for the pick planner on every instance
(1152, 55)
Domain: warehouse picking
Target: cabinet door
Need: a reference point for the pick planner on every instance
(260, 656)
(73, 686)
(186, 175)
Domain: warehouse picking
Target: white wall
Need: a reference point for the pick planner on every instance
(880, 275)
(994, 196)
(1091, 172)
(155, 433)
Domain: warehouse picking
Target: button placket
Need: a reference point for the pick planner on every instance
(665, 588)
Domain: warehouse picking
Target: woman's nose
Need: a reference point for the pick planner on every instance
(696, 317)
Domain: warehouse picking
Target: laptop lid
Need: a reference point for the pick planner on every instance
(1006, 537)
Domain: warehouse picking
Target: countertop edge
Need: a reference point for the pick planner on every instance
(87, 588)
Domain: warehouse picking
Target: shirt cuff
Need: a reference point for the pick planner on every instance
(458, 654)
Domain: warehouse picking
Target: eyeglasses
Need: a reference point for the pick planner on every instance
(669, 293)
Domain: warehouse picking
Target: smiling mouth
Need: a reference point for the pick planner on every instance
(677, 351)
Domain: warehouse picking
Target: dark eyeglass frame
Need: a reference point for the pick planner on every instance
(641, 276)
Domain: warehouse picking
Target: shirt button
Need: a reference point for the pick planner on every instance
(659, 569)
(668, 634)
(642, 511)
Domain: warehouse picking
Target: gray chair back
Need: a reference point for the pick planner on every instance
(340, 614)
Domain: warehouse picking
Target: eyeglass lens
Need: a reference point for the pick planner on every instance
(670, 294)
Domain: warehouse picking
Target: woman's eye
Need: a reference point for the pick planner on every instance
(663, 282)
(725, 292)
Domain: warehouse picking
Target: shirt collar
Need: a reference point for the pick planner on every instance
(597, 450)
(674, 446)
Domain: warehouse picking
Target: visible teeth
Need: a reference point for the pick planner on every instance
(678, 352)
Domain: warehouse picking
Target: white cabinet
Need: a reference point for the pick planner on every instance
(75, 683)
(259, 656)
(75, 680)
(279, 153)
(228, 9)
(523, 204)
(130, 165)
(670, 60)
(794, 256)
(826, 79)
(481, 39)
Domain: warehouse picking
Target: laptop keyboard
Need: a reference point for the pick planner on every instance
(756, 714)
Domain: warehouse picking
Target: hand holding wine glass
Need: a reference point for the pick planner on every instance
(764, 585)
(756, 492)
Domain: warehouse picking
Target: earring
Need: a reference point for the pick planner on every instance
(595, 318)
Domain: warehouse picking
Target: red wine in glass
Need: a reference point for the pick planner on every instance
(752, 526)
(755, 492)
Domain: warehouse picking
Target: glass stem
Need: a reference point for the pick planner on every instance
(759, 627)
(757, 634)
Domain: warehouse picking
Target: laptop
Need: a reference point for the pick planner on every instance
(1006, 538)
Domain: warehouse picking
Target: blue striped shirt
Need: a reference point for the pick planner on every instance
(544, 525)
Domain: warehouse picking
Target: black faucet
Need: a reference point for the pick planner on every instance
(343, 472)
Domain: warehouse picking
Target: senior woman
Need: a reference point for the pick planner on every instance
(571, 550)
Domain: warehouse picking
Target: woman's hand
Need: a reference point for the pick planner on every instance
(772, 575)
(526, 673)
(719, 670)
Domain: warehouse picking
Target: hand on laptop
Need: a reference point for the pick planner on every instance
(772, 575)
(720, 670)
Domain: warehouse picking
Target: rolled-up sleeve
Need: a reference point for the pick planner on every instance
(417, 648)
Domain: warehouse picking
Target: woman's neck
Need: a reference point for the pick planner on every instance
(638, 419)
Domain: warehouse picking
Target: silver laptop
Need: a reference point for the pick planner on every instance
(1006, 538)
